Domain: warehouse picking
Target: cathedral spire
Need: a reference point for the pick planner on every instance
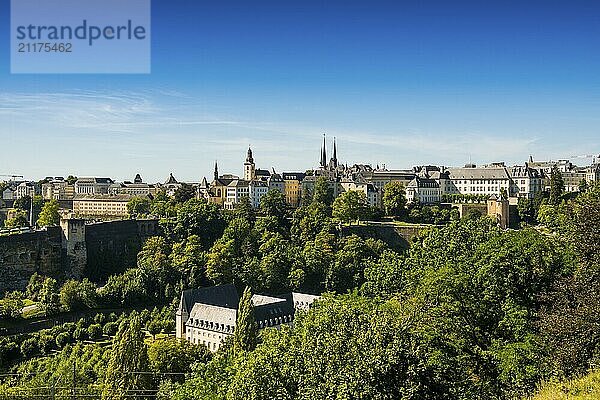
(216, 171)
(334, 159)
(324, 153)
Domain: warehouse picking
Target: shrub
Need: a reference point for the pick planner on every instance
(94, 331)
(63, 339)
(9, 351)
(110, 328)
(100, 318)
(80, 334)
(30, 347)
(46, 342)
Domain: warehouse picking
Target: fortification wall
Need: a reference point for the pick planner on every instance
(113, 246)
(75, 250)
(24, 254)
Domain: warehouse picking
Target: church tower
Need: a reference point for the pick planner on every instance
(216, 173)
(334, 162)
(249, 167)
(323, 163)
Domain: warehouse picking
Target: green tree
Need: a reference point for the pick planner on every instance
(243, 209)
(49, 215)
(176, 356)
(11, 305)
(322, 193)
(197, 217)
(18, 220)
(126, 372)
(184, 193)
(189, 259)
(351, 206)
(246, 330)
(273, 204)
(557, 186)
(75, 295)
(23, 203)
(34, 286)
(526, 210)
(138, 206)
(394, 199)
(49, 299)
(94, 331)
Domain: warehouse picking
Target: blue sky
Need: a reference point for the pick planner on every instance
(398, 83)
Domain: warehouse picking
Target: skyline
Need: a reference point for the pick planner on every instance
(400, 85)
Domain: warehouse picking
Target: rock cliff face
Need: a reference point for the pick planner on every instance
(73, 250)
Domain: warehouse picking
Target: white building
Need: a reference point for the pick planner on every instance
(525, 181)
(208, 315)
(256, 191)
(488, 180)
(135, 188)
(93, 186)
(27, 189)
(57, 188)
(424, 191)
(236, 189)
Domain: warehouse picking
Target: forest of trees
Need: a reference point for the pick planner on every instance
(469, 311)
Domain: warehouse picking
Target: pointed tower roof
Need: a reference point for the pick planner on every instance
(324, 153)
(171, 179)
(249, 158)
(216, 173)
(334, 158)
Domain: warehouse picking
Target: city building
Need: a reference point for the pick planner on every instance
(9, 193)
(93, 186)
(171, 185)
(228, 190)
(292, 188)
(27, 189)
(136, 188)
(424, 191)
(525, 181)
(208, 315)
(57, 188)
(236, 190)
(572, 175)
(487, 180)
(101, 206)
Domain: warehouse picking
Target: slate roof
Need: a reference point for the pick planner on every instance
(222, 296)
(294, 176)
(478, 173)
(271, 308)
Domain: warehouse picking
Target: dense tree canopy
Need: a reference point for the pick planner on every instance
(49, 215)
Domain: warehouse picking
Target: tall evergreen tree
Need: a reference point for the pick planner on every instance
(246, 330)
(557, 186)
(128, 365)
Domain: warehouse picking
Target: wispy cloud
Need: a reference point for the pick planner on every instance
(96, 110)
(156, 123)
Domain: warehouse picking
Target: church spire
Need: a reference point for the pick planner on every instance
(334, 159)
(216, 171)
(324, 153)
(249, 158)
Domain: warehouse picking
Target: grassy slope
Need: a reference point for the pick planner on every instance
(584, 388)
